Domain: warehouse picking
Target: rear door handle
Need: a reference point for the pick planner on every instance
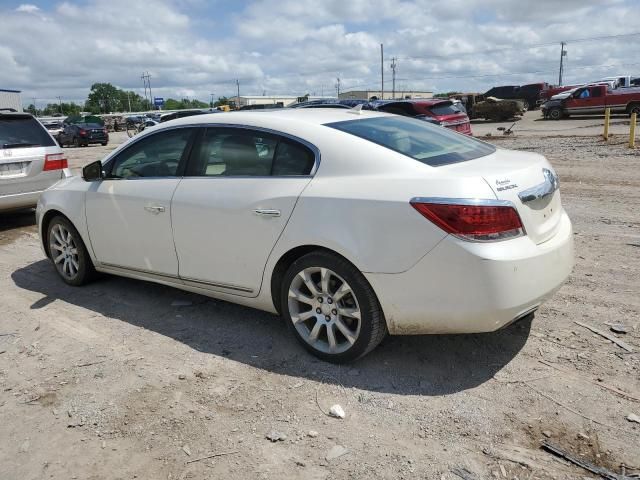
(265, 212)
(155, 209)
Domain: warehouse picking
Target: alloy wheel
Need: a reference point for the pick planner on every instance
(324, 310)
(64, 251)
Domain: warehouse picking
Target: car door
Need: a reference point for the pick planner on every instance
(128, 213)
(239, 191)
(585, 100)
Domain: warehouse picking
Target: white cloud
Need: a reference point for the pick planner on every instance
(27, 8)
(297, 46)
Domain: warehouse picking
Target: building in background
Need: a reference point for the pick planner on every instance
(388, 95)
(280, 100)
(10, 99)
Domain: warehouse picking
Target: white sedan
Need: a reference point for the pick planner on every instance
(350, 224)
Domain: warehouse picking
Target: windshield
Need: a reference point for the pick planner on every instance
(22, 131)
(429, 144)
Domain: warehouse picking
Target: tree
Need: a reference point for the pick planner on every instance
(32, 109)
(103, 98)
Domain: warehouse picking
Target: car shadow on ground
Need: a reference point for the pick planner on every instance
(15, 223)
(411, 365)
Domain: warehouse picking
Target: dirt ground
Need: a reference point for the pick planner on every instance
(124, 379)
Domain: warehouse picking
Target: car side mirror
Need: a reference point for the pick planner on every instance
(93, 172)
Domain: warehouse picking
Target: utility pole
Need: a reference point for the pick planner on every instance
(381, 71)
(129, 100)
(60, 103)
(393, 76)
(211, 102)
(146, 80)
(338, 86)
(150, 94)
(238, 96)
(563, 53)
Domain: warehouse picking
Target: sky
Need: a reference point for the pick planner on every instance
(193, 48)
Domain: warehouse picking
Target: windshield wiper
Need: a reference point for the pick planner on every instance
(20, 145)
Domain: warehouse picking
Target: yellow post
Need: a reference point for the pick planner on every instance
(632, 130)
(607, 116)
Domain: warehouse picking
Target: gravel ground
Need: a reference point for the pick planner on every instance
(115, 381)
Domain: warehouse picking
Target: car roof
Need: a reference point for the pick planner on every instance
(270, 118)
(15, 114)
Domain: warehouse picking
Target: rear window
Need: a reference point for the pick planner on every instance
(429, 144)
(19, 131)
(445, 108)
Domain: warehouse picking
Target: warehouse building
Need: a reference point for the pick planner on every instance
(10, 99)
(388, 95)
(280, 100)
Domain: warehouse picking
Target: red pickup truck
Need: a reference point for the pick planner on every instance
(594, 99)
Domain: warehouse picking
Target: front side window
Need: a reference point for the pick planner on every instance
(235, 152)
(426, 143)
(157, 155)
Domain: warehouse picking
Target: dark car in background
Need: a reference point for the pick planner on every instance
(445, 113)
(179, 114)
(81, 131)
(529, 93)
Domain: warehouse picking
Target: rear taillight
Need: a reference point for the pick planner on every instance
(473, 220)
(82, 132)
(54, 161)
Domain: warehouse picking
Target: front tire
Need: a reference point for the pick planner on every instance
(331, 308)
(555, 113)
(68, 252)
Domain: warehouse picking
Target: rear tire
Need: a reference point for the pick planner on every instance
(76, 142)
(68, 252)
(634, 108)
(331, 308)
(104, 144)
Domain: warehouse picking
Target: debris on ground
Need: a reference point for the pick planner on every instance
(618, 328)
(312, 433)
(335, 452)
(632, 417)
(603, 472)
(275, 436)
(337, 411)
(463, 473)
(186, 449)
(606, 335)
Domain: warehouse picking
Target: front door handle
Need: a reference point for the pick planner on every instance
(155, 209)
(265, 212)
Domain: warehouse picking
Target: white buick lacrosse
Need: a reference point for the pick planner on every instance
(350, 224)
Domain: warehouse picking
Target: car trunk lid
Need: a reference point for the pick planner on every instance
(528, 181)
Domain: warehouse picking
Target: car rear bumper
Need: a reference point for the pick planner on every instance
(464, 287)
(19, 200)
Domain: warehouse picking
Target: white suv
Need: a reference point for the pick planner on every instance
(30, 160)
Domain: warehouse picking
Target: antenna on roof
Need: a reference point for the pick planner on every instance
(357, 110)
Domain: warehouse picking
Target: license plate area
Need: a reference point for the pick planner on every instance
(14, 169)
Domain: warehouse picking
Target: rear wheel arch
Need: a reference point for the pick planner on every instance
(633, 107)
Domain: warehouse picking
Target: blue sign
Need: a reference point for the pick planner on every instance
(158, 101)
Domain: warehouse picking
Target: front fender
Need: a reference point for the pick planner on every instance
(67, 197)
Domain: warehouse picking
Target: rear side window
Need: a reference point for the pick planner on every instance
(232, 152)
(429, 144)
(22, 131)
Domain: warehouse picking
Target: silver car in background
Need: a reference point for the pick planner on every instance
(30, 160)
